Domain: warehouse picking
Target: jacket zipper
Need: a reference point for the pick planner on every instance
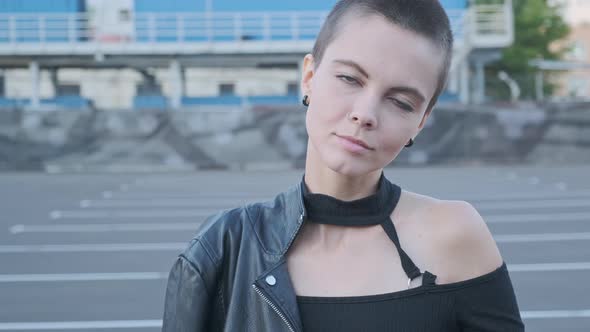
(274, 308)
(266, 298)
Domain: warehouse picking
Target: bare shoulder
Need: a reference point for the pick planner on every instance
(461, 246)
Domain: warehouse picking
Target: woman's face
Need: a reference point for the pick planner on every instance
(374, 84)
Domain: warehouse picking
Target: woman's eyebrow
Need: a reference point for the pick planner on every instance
(353, 64)
(397, 89)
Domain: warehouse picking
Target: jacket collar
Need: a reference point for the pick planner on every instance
(277, 222)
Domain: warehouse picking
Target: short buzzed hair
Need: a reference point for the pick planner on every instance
(425, 17)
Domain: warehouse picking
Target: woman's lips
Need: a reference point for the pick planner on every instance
(352, 144)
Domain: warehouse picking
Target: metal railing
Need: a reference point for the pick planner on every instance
(42, 32)
(151, 27)
(41, 28)
(481, 22)
(161, 27)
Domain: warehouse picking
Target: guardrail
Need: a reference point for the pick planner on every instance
(160, 27)
(182, 27)
(31, 33)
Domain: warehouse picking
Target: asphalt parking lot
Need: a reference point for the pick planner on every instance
(92, 252)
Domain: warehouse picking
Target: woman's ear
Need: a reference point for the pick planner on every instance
(307, 74)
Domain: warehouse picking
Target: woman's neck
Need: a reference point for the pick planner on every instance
(323, 180)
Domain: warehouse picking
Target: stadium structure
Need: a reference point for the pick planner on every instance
(195, 54)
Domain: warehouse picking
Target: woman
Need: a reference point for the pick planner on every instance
(347, 250)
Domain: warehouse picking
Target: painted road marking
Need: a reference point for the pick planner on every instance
(539, 217)
(540, 314)
(123, 276)
(82, 277)
(507, 238)
(515, 205)
(142, 213)
(547, 267)
(168, 202)
(81, 325)
(157, 323)
(103, 247)
(98, 228)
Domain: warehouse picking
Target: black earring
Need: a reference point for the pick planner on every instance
(306, 100)
(410, 143)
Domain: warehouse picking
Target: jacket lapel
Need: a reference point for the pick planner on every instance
(277, 286)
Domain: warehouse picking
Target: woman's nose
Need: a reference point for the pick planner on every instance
(364, 114)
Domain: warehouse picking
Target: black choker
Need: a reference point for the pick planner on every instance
(370, 210)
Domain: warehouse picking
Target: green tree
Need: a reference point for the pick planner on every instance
(538, 25)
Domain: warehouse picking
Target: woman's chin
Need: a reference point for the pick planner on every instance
(349, 167)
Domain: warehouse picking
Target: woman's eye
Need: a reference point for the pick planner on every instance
(348, 79)
(402, 105)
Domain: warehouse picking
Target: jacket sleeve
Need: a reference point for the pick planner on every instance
(489, 304)
(187, 304)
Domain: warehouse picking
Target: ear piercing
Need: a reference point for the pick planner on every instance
(305, 100)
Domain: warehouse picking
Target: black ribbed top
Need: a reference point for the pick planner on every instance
(485, 303)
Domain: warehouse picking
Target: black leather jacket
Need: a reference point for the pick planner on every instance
(233, 275)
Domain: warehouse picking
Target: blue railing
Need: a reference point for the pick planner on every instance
(44, 28)
(144, 28)
(169, 6)
(232, 100)
(69, 102)
(160, 102)
(183, 27)
(150, 102)
(251, 5)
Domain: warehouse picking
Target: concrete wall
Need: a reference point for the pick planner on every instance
(263, 137)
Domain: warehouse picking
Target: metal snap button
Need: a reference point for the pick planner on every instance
(271, 280)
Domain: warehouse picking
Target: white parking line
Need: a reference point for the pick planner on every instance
(539, 217)
(507, 238)
(515, 205)
(156, 323)
(152, 227)
(175, 193)
(103, 247)
(533, 180)
(81, 325)
(169, 202)
(547, 267)
(205, 212)
(561, 186)
(474, 198)
(124, 276)
(540, 314)
(99, 228)
(143, 213)
(110, 247)
(82, 277)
